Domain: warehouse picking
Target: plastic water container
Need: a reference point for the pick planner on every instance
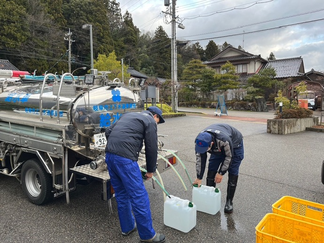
(207, 199)
(180, 214)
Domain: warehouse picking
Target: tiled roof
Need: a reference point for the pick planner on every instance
(135, 73)
(314, 72)
(234, 58)
(6, 65)
(286, 68)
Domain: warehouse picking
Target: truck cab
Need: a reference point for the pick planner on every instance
(310, 98)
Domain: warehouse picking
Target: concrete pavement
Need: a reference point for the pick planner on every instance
(274, 166)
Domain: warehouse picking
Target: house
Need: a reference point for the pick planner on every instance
(140, 77)
(9, 72)
(292, 72)
(288, 68)
(315, 76)
(246, 64)
(6, 65)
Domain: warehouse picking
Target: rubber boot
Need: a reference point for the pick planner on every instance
(231, 187)
(210, 180)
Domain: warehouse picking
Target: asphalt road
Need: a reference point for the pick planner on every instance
(274, 166)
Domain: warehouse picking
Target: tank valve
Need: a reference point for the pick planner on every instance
(98, 163)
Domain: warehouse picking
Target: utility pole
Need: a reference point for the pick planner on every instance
(174, 63)
(174, 68)
(68, 35)
(122, 63)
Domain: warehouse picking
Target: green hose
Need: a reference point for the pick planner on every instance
(191, 182)
(157, 181)
(174, 171)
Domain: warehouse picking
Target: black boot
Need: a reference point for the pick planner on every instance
(210, 180)
(231, 186)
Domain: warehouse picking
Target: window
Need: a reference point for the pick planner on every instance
(241, 68)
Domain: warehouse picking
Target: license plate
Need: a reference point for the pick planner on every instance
(100, 140)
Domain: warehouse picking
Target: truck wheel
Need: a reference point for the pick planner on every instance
(36, 183)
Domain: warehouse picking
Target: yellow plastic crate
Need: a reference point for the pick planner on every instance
(275, 228)
(300, 209)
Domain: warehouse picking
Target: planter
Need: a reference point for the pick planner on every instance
(291, 125)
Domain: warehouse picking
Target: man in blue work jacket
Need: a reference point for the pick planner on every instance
(225, 144)
(124, 143)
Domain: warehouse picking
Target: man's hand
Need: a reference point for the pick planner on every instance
(149, 175)
(197, 182)
(218, 178)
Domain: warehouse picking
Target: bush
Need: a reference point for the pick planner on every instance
(166, 109)
(294, 113)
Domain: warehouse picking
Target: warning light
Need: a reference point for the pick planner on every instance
(172, 160)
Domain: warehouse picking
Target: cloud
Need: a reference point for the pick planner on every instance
(212, 19)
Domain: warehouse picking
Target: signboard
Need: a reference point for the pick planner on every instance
(221, 105)
(89, 79)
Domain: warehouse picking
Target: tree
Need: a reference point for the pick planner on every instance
(14, 30)
(130, 38)
(110, 63)
(193, 71)
(207, 83)
(240, 48)
(188, 53)
(191, 76)
(211, 50)
(160, 53)
(143, 54)
(80, 12)
(227, 79)
(29, 36)
(300, 88)
(45, 46)
(54, 9)
(200, 50)
(262, 82)
(271, 57)
(225, 45)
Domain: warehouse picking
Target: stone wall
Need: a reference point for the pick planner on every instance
(291, 125)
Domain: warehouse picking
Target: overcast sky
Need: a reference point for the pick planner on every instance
(288, 28)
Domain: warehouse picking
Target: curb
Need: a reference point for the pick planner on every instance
(313, 129)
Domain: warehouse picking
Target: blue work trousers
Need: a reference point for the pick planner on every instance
(217, 159)
(131, 195)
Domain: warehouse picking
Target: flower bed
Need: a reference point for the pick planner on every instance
(290, 125)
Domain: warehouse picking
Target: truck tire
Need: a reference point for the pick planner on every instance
(36, 183)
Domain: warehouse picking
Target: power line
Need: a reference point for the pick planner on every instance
(262, 30)
(152, 20)
(238, 7)
(262, 22)
(197, 4)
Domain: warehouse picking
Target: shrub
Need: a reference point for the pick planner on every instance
(294, 113)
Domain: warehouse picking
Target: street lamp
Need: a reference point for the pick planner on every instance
(86, 26)
(83, 68)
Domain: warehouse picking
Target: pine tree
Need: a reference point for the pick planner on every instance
(211, 50)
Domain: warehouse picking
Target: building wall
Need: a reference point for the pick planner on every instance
(231, 54)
